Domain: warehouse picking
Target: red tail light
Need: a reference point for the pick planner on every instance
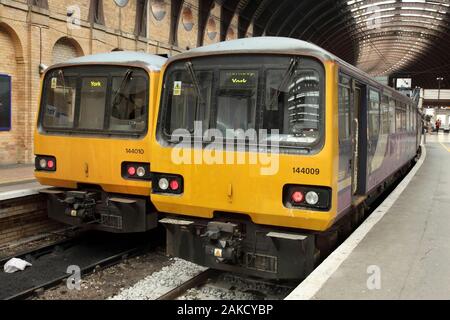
(50, 164)
(297, 197)
(174, 185)
(131, 171)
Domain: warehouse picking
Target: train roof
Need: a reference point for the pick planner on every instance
(276, 45)
(150, 61)
(280, 45)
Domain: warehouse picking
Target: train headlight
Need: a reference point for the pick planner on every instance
(43, 163)
(140, 171)
(315, 198)
(312, 198)
(163, 184)
(167, 184)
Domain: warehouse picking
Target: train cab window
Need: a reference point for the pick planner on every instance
(184, 105)
(128, 104)
(282, 95)
(59, 103)
(374, 113)
(93, 102)
(236, 100)
(392, 115)
(100, 99)
(294, 109)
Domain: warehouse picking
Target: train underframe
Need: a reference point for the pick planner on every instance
(96, 209)
(238, 245)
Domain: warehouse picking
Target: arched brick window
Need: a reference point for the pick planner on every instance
(140, 27)
(96, 14)
(39, 3)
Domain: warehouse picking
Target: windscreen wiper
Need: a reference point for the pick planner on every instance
(286, 77)
(191, 72)
(61, 74)
(125, 79)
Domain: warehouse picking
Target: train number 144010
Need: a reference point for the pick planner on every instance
(300, 170)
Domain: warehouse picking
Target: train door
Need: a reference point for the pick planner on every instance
(358, 142)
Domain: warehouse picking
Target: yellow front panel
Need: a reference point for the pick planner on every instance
(242, 189)
(97, 160)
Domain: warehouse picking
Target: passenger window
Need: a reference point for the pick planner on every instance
(392, 115)
(374, 113)
(404, 126)
(93, 102)
(344, 113)
(408, 118)
(385, 114)
(129, 104)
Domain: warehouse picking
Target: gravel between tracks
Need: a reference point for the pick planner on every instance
(232, 287)
(160, 282)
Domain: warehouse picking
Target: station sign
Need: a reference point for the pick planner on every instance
(5, 102)
(403, 83)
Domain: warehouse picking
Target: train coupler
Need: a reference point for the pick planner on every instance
(81, 204)
(223, 241)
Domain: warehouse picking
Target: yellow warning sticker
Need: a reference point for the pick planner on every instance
(177, 88)
(54, 83)
(218, 253)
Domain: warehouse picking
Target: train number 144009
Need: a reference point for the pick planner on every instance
(300, 170)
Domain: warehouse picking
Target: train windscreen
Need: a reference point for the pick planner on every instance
(95, 99)
(281, 95)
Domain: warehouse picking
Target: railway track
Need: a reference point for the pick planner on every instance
(88, 251)
(194, 282)
(214, 284)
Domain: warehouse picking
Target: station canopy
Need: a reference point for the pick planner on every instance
(395, 38)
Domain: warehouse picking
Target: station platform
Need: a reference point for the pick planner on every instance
(402, 251)
(16, 174)
(18, 181)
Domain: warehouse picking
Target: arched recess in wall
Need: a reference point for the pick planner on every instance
(231, 35)
(211, 29)
(66, 48)
(187, 18)
(158, 9)
(12, 64)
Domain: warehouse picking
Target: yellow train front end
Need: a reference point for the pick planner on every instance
(245, 157)
(92, 141)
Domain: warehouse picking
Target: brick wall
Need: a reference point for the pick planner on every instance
(30, 36)
(24, 217)
(64, 50)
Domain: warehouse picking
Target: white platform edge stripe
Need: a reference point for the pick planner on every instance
(13, 194)
(314, 282)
